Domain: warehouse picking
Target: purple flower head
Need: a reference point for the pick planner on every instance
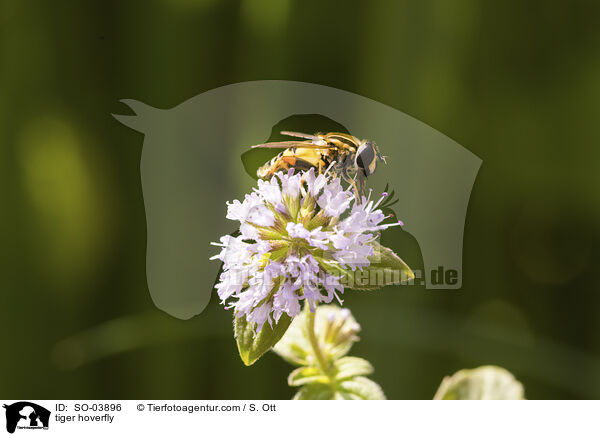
(295, 229)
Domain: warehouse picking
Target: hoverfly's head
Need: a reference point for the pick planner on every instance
(367, 156)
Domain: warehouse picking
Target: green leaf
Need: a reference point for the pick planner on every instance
(252, 346)
(386, 268)
(483, 383)
(305, 375)
(315, 391)
(348, 367)
(360, 388)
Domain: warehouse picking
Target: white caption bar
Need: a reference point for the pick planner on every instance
(263, 417)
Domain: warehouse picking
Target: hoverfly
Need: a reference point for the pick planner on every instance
(350, 158)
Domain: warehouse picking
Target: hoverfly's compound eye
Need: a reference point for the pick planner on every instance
(366, 158)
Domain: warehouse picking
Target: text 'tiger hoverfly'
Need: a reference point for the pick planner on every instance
(353, 159)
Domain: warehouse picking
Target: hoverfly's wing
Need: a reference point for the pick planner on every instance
(300, 135)
(288, 144)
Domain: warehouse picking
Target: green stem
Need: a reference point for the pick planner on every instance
(314, 342)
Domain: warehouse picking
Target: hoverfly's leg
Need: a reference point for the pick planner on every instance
(356, 190)
(361, 183)
(320, 167)
(351, 181)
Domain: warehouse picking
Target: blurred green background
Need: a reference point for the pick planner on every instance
(517, 83)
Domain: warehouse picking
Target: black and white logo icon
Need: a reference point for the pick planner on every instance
(26, 415)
